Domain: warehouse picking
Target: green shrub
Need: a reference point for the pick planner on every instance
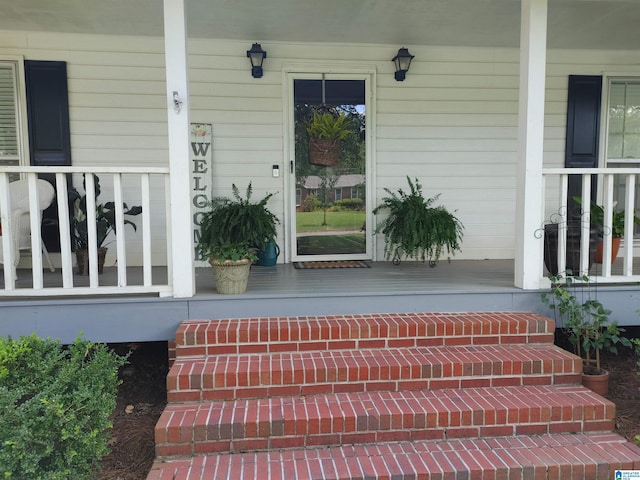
(349, 204)
(635, 342)
(310, 203)
(55, 404)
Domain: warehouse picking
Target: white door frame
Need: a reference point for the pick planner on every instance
(332, 73)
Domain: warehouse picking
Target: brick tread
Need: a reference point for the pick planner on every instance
(552, 457)
(379, 416)
(303, 373)
(200, 338)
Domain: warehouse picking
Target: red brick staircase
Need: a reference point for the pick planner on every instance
(406, 396)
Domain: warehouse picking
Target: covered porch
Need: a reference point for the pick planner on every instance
(481, 118)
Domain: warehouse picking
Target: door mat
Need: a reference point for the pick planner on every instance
(333, 264)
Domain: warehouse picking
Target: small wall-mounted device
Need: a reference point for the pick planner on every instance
(275, 169)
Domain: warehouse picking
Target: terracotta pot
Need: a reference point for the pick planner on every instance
(615, 246)
(598, 383)
(82, 260)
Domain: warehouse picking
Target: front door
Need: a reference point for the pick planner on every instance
(329, 167)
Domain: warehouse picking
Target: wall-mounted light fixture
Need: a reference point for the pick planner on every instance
(257, 56)
(402, 61)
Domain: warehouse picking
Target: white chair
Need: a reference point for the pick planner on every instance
(20, 219)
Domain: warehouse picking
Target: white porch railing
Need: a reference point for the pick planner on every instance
(148, 187)
(558, 210)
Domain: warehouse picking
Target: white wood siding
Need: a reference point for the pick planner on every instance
(452, 123)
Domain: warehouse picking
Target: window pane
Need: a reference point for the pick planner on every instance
(623, 136)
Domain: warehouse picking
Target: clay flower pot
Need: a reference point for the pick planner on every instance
(597, 382)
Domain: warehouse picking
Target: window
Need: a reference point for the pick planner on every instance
(623, 142)
(354, 192)
(338, 195)
(623, 133)
(9, 115)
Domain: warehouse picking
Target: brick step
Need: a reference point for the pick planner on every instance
(559, 456)
(307, 373)
(341, 419)
(290, 334)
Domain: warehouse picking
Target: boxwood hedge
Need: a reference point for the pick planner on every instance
(55, 403)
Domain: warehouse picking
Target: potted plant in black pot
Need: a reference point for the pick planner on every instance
(586, 324)
(232, 231)
(414, 228)
(105, 225)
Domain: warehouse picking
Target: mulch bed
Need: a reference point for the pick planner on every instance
(624, 391)
(144, 389)
(141, 399)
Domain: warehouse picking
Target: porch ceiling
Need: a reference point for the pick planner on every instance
(589, 24)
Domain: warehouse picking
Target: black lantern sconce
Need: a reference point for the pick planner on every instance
(257, 56)
(402, 61)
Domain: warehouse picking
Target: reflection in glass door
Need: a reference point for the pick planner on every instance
(330, 169)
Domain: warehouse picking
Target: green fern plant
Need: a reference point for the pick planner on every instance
(329, 126)
(237, 227)
(416, 229)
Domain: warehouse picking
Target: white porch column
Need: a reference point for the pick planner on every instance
(529, 194)
(182, 274)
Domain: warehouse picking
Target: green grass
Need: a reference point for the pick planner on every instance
(312, 221)
(331, 244)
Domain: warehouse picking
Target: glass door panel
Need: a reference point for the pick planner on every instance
(330, 174)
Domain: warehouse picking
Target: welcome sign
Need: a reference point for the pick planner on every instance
(201, 178)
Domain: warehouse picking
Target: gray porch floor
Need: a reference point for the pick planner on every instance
(383, 278)
(282, 290)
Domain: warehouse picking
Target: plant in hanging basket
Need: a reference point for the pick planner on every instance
(326, 131)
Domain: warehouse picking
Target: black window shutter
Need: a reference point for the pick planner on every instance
(49, 133)
(583, 130)
(48, 113)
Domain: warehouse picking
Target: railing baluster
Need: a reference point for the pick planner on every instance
(35, 219)
(607, 227)
(146, 229)
(65, 233)
(562, 224)
(585, 224)
(121, 254)
(92, 233)
(629, 212)
(7, 229)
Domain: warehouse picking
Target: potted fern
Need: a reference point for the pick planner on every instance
(414, 228)
(326, 131)
(231, 233)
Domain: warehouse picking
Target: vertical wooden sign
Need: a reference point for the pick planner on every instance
(201, 179)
